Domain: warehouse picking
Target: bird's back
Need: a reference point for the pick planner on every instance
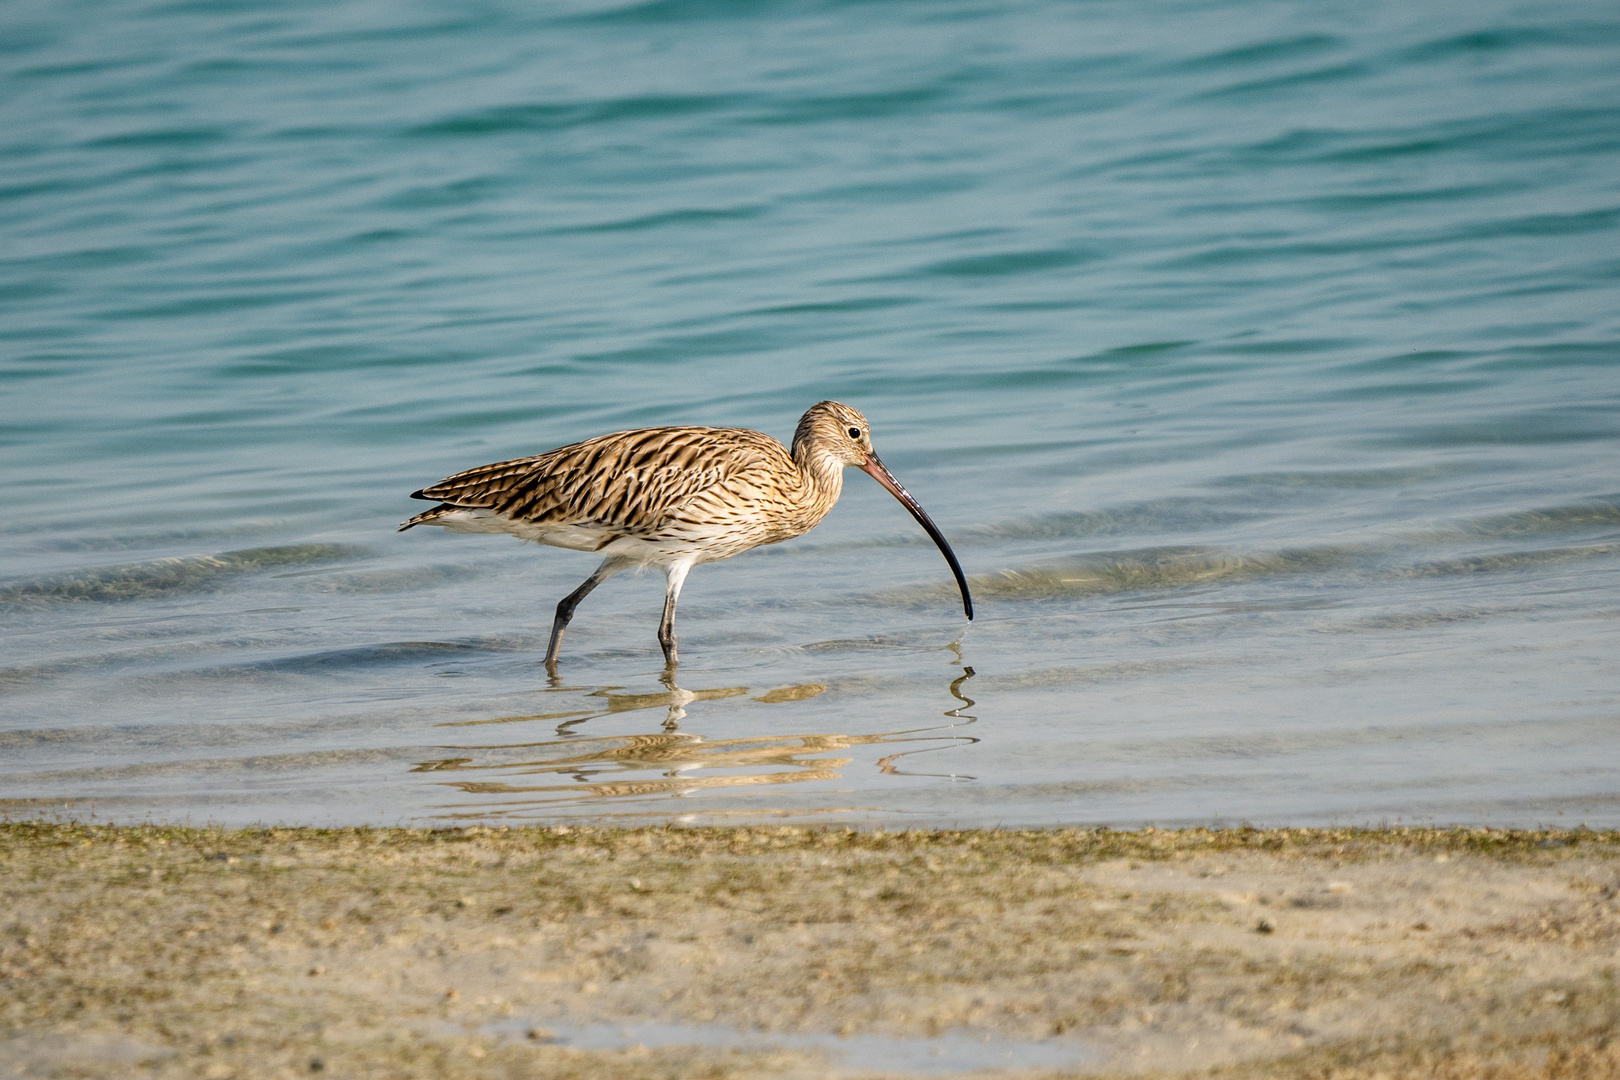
(723, 488)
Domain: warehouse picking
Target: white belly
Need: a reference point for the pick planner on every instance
(636, 550)
(576, 537)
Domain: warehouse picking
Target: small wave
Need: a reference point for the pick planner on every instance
(832, 307)
(1187, 516)
(1158, 516)
(164, 577)
(1005, 263)
(659, 12)
(1510, 561)
(400, 579)
(193, 136)
(1506, 38)
(813, 110)
(1262, 52)
(1534, 427)
(326, 661)
(1409, 621)
(642, 222)
(1576, 223)
(1136, 571)
(1070, 675)
(1293, 81)
(504, 119)
(1548, 521)
(1337, 479)
(1571, 354)
(1161, 516)
(1518, 134)
(1107, 573)
(146, 541)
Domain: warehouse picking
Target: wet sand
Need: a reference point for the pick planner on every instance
(147, 951)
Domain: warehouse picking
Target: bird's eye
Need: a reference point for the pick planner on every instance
(854, 432)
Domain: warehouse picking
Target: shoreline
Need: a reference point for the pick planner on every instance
(491, 952)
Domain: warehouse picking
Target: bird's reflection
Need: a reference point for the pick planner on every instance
(674, 699)
(576, 769)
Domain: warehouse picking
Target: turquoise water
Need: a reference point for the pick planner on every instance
(1261, 361)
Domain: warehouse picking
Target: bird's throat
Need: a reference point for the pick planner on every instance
(823, 477)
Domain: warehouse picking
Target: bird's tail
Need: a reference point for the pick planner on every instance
(427, 517)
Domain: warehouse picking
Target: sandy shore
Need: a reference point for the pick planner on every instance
(161, 952)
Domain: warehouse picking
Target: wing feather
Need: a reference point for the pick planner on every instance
(636, 482)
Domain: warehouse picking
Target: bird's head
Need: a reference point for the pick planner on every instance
(831, 427)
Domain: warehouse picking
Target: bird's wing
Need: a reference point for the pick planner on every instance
(631, 481)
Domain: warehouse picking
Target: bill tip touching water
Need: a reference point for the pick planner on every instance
(671, 497)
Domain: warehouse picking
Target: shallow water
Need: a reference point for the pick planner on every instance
(1259, 360)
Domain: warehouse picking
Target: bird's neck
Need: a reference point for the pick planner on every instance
(823, 475)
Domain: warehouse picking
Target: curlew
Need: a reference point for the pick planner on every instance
(670, 497)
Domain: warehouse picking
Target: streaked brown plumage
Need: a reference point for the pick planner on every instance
(669, 497)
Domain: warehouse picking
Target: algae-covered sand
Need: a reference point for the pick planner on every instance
(147, 951)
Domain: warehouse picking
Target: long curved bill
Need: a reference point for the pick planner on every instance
(876, 470)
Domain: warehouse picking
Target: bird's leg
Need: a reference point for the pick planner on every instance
(666, 626)
(565, 609)
(666, 632)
